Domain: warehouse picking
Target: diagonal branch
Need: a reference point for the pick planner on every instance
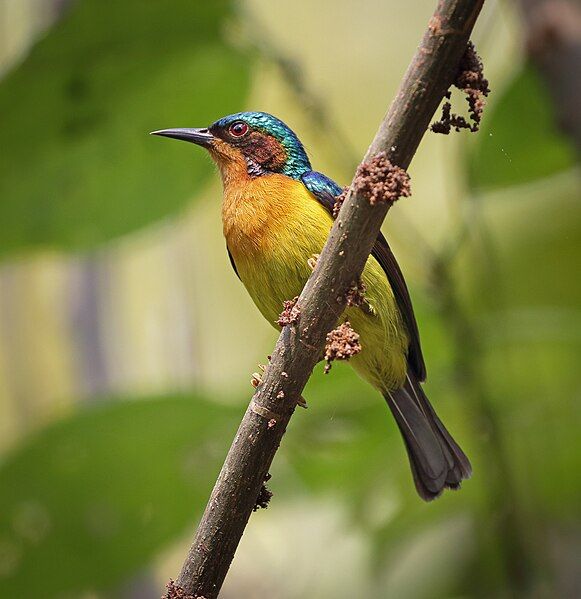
(300, 345)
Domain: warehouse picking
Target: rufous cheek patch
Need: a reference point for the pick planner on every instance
(266, 151)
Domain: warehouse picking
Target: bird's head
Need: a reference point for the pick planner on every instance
(249, 144)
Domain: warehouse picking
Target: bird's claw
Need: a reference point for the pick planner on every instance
(312, 261)
(368, 308)
(256, 379)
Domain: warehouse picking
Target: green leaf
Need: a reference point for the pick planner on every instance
(524, 298)
(519, 142)
(78, 166)
(91, 499)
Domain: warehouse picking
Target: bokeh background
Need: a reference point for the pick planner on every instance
(127, 343)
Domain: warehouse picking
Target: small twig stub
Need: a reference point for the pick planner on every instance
(173, 591)
(342, 344)
(470, 79)
(379, 180)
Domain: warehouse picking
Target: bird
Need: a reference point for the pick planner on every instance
(276, 214)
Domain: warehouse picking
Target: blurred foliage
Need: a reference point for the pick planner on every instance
(529, 325)
(518, 142)
(112, 484)
(89, 500)
(92, 499)
(125, 477)
(80, 108)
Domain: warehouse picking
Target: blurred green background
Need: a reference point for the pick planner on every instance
(127, 343)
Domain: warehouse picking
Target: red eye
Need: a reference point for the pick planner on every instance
(238, 129)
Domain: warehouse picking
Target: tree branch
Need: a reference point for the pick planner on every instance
(300, 344)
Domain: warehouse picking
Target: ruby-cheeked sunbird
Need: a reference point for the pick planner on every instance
(276, 213)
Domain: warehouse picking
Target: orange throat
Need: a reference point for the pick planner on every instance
(252, 213)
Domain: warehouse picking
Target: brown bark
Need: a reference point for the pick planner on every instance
(301, 343)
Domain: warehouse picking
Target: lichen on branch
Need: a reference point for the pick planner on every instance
(355, 295)
(342, 344)
(469, 79)
(378, 180)
(339, 201)
(290, 312)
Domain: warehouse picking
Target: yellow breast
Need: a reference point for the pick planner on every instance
(258, 213)
(272, 226)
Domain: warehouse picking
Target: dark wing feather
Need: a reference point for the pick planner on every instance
(232, 261)
(383, 254)
(326, 191)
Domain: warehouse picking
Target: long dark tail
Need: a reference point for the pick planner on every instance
(436, 460)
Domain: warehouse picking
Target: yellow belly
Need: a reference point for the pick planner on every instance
(272, 227)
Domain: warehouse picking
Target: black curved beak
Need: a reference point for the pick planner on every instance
(200, 137)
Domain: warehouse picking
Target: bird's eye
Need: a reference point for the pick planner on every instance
(238, 129)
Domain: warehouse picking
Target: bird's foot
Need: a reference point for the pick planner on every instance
(302, 402)
(312, 261)
(255, 380)
(257, 376)
(368, 308)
